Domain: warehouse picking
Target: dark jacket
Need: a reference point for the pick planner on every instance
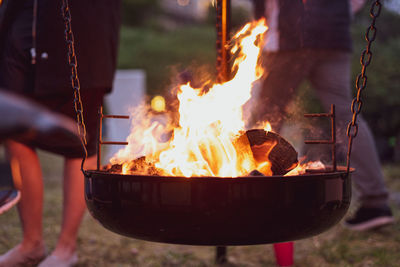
(95, 24)
(316, 24)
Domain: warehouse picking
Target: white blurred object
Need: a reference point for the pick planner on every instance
(128, 91)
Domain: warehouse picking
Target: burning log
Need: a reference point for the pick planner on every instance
(273, 148)
(267, 153)
(139, 165)
(115, 168)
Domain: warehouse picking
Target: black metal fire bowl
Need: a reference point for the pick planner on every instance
(218, 211)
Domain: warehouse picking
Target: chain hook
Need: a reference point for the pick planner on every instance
(352, 127)
(73, 64)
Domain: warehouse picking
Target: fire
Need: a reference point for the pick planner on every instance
(267, 126)
(203, 144)
(301, 168)
(205, 136)
(205, 140)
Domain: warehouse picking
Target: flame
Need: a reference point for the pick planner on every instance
(206, 139)
(302, 167)
(260, 154)
(267, 127)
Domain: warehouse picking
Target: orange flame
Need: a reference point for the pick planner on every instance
(302, 167)
(205, 141)
(267, 127)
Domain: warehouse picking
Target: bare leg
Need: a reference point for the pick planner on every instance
(74, 206)
(30, 206)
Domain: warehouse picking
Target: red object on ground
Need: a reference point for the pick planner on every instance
(284, 253)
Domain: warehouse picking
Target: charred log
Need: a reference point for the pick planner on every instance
(274, 148)
(255, 173)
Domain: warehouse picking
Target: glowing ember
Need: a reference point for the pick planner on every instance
(301, 168)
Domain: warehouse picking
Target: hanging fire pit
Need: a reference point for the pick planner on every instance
(249, 210)
(212, 183)
(218, 211)
(263, 207)
(254, 209)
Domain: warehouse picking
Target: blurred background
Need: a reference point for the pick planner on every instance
(165, 37)
(161, 38)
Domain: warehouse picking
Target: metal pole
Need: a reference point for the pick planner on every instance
(223, 8)
(99, 141)
(333, 127)
(221, 255)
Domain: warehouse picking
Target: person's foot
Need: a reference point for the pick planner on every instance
(8, 198)
(53, 260)
(18, 257)
(369, 218)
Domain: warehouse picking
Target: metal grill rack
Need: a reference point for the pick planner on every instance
(100, 141)
(331, 142)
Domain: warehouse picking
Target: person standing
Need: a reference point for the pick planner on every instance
(34, 64)
(310, 40)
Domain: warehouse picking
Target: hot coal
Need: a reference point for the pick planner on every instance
(116, 168)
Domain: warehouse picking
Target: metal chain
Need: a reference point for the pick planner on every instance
(361, 81)
(73, 64)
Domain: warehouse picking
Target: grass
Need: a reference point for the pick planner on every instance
(100, 247)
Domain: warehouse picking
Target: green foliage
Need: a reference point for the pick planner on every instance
(239, 17)
(382, 94)
(137, 12)
(164, 53)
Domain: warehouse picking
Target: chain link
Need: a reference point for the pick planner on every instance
(361, 81)
(73, 64)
